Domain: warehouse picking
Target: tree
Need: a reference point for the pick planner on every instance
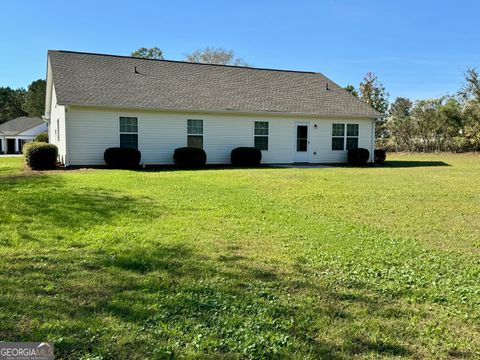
(351, 89)
(471, 89)
(373, 93)
(148, 53)
(42, 137)
(34, 103)
(11, 103)
(212, 55)
(400, 125)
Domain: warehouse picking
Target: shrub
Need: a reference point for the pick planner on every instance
(246, 156)
(379, 156)
(358, 156)
(122, 158)
(42, 137)
(40, 155)
(189, 157)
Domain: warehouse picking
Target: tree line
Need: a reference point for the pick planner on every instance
(20, 102)
(448, 123)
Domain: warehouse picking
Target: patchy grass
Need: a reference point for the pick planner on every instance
(306, 263)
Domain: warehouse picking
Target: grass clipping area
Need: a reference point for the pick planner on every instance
(333, 263)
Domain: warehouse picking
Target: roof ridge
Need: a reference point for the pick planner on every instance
(185, 62)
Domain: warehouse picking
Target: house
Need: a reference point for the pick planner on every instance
(97, 101)
(16, 132)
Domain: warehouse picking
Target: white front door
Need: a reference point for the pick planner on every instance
(302, 142)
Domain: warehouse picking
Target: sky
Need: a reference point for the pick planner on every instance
(418, 49)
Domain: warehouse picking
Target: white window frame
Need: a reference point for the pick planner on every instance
(196, 134)
(267, 136)
(58, 130)
(345, 136)
(120, 132)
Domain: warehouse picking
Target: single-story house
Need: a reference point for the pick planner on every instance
(16, 132)
(97, 101)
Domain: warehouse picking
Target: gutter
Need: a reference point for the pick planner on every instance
(233, 112)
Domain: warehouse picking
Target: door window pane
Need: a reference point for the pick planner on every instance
(302, 137)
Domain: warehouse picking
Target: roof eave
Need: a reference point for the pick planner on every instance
(212, 111)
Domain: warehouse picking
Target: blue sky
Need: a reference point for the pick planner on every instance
(418, 49)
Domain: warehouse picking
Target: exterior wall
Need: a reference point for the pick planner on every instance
(321, 140)
(92, 130)
(57, 134)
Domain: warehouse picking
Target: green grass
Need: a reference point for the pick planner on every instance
(333, 263)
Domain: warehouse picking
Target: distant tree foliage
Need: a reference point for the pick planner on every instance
(373, 93)
(471, 89)
(449, 123)
(11, 103)
(42, 137)
(34, 102)
(351, 89)
(444, 124)
(18, 102)
(148, 53)
(212, 55)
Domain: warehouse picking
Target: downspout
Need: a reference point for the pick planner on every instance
(372, 154)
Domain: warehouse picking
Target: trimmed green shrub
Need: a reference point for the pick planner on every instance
(379, 156)
(358, 156)
(246, 156)
(42, 137)
(40, 155)
(189, 157)
(122, 158)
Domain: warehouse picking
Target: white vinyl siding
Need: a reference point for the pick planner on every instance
(91, 131)
(56, 129)
(321, 139)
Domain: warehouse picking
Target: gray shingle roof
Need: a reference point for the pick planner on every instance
(108, 80)
(19, 125)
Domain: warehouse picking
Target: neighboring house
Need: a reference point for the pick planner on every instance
(97, 101)
(16, 132)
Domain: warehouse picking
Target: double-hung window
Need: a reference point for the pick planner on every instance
(344, 140)
(352, 136)
(195, 133)
(261, 135)
(338, 136)
(128, 132)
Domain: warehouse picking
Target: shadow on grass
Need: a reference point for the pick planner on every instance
(155, 300)
(412, 163)
(170, 301)
(34, 202)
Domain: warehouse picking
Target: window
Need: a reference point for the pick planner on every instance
(58, 130)
(261, 135)
(352, 136)
(195, 133)
(128, 132)
(338, 135)
(342, 140)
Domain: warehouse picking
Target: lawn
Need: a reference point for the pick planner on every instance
(332, 263)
